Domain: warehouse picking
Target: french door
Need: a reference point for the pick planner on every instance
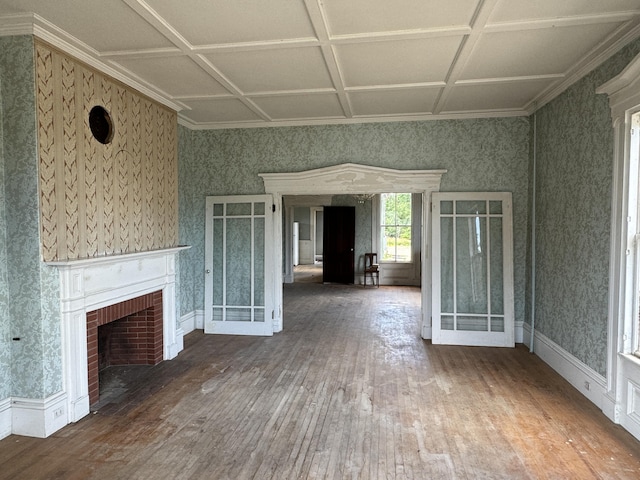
(472, 252)
(238, 242)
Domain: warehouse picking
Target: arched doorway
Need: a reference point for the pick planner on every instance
(351, 178)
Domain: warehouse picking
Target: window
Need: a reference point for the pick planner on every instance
(623, 369)
(634, 209)
(395, 227)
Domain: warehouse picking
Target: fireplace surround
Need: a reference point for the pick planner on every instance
(91, 284)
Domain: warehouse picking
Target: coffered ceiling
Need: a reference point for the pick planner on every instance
(249, 63)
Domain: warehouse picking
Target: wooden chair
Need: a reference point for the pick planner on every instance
(371, 269)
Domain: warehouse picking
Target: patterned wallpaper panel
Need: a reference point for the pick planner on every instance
(31, 366)
(5, 319)
(573, 215)
(100, 199)
(479, 155)
(187, 264)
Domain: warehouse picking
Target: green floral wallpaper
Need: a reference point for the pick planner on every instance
(32, 288)
(573, 208)
(482, 155)
(187, 276)
(5, 325)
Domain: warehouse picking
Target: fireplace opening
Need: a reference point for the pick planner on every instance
(129, 334)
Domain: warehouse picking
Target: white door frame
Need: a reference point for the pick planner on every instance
(290, 203)
(351, 178)
(314, 230)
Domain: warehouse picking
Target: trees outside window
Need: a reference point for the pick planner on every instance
(395, 227)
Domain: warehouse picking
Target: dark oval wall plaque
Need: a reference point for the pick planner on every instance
(100, 124)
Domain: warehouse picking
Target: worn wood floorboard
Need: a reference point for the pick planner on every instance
(347, 391)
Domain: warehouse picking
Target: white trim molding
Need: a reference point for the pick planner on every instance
(5, 418)
(192, 321)
(623, 90)
(623, 376)
(90, 284)
(583, 378)
(350, 178)
(519, 331)
(38, 417)
(629, 413)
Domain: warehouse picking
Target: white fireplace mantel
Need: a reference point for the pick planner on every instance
(93, 283)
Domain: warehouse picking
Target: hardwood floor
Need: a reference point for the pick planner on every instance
(308, 273)
(348, 390)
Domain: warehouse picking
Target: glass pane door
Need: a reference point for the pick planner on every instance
(472, 269)
(236, 293)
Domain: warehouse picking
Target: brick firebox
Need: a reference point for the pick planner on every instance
(127, 333)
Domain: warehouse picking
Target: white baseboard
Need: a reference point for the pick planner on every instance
(5, 418)
(518, 332)
(188, 322)
(39, 418)
(586, 380)
(610, 408)
(200, 319)
(192, 321)
(174, 349)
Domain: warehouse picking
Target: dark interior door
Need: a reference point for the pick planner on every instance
(339, 238)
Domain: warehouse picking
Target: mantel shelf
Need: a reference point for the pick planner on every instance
(117, 258)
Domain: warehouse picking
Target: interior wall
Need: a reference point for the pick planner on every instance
(187, 264)
(99, 199)
(5, 320)
(302, 215)
(319, 232)
(33, 305)
(573, 215)
(480, 155)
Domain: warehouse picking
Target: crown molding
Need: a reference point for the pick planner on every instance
(623, 90)
(354, 120)
(597, 57)
(16, 24)
(32, 24)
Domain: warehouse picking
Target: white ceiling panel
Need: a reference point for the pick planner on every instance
(248, 63)
(517, 10)
(525, 53)
(274, 69)
(287, 107)
(178, 76)
(363, 16)
(219, 110)
(394, 102)
(501, 96)
(86, 22)
(397, 62)
(208, 22)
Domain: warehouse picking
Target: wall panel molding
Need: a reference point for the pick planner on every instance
(102, 199)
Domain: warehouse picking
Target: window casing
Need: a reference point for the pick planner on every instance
(634, 210)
